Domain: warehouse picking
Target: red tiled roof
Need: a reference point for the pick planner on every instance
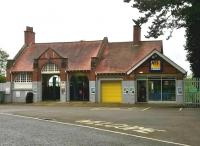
(24, 60)
(119, 57)
(78, 53)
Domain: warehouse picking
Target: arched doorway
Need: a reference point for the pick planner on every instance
(50, 82)
(79, 88)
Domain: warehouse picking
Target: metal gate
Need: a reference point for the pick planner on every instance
(192, 92)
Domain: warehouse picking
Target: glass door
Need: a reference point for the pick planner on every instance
(141, 91)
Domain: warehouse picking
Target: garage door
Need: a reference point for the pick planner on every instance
(111, 91)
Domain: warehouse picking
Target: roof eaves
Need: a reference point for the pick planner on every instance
(20, 51)
(110, 73)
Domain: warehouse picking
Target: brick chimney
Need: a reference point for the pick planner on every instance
(136, 34)
(29, 35)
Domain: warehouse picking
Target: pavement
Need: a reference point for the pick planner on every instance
(90, 104)
(144, 124)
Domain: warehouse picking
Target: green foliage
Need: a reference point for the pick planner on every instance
(193, 39)
(3, 59)
(2, 79)
(165, 16)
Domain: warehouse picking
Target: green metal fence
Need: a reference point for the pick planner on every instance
(192, 92)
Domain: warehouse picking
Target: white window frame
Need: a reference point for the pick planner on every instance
(50, 68)
(23, 77)
(23, 80)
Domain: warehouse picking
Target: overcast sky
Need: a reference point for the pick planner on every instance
(74, 20)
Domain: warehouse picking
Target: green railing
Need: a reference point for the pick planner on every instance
(192, 92)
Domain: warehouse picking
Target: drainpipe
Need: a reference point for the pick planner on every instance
(67, 91)
(11, 87)
(96, 86)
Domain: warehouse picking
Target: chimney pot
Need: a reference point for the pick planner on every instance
(28, 28)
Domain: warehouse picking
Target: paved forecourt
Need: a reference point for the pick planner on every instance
(162, 126)
(19, 130)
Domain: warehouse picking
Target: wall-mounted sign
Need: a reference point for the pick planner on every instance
(131, 91)
(155, 65)
(179, 91)
(92, 90)
(18, 94)
(125, 91)
(63, 91)
(7, 90)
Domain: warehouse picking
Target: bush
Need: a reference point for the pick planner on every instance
(2, 79)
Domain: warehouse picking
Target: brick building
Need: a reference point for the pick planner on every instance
(95, 71)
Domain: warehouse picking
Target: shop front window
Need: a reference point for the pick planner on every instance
(154, 90)
(161, 89)
(168, 90)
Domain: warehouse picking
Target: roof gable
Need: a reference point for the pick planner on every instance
(160, 55)
(49, 53)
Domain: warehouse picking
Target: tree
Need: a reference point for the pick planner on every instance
(3, 60)
(165, 16)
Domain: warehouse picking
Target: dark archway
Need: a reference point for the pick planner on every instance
(79, 88)
(50, 82)
(50, 87)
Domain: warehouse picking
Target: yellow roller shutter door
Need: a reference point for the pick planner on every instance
(111, 91)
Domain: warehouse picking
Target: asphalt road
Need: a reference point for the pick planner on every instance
(17, 131)
(106, 126)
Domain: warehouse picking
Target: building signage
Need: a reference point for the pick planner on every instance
(179, 91)
(7, 90)
(92, 90)
(155, 65)
(17, 93)
(131, 91)
(125, 90)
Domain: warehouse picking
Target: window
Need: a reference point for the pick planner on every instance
(23, 77)
(168, 89)
(54, 81)
(154, 90)
(161, 88)
(50, 67)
